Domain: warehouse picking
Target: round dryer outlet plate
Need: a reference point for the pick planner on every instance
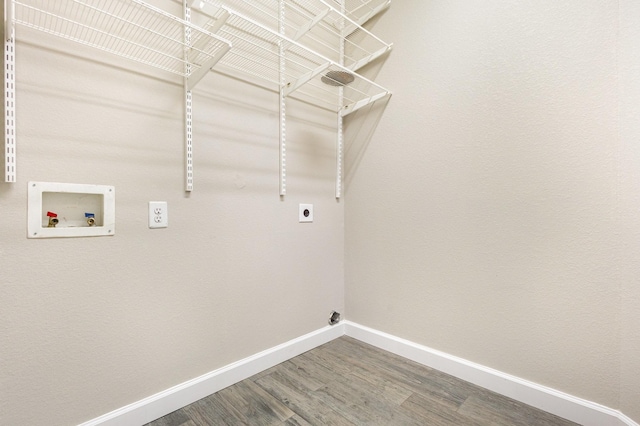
(305, 213)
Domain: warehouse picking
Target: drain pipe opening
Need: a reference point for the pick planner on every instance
(334, 318)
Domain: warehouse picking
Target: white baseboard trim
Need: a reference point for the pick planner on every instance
(624, 420)
(165, 402)
(566, 406)
(569, 407)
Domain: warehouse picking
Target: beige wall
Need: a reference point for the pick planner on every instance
(493, 214)
(630, 196)
(90, 325)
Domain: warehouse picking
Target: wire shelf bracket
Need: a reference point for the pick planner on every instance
(363, 13)
(312, 23)
(195, 77)
(291, 87)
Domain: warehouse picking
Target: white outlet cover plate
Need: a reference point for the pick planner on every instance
(158, 214)
(305, 218)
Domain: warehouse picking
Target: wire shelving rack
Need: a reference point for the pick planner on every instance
(308, 49)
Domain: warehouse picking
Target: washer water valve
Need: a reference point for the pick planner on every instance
(53, 219)
(91, 218)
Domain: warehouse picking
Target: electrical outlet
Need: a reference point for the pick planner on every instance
(305, 213)
(158, 214)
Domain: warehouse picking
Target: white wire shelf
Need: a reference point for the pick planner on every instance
(130, 29)
(320, 25)
(257, 52)
(326, 29)
(363, 10)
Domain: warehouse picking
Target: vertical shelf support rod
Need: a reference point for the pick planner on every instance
(9, 93)
(188, 105)
(340, 132)
(283, 106)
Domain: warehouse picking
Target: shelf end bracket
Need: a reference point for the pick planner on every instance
(353, 107)
(293, 86)
(306, 28)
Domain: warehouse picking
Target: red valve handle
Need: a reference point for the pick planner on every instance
(52, 214)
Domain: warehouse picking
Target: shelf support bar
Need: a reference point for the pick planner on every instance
(283, 105)
(373, 12)
(339, 155)
(195, 77)
(370, 58)
(348, 109)
(339, 119)
(188, 105)
(306, 28)
(293, 86)
(9, 93)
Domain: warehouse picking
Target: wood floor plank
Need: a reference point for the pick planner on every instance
(296, 421)
(412, 376)
(341, 404)
(507, 412)
(177, 418)
(359, 404)
(256, 405)
(433, 413)
(299, 401)
(349, 383)
(214, 410)
(308, 375)
(361, 368)
(327, 361)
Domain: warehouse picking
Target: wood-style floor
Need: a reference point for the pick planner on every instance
(347, 382)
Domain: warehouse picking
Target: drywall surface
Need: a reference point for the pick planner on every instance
(90, 325)
(483, 219)
(630, 194)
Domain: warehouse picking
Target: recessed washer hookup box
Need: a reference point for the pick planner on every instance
(57, 210)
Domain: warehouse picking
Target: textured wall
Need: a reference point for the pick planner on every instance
(90, 325)
(493, 215)
(484, 217)
(630, 194)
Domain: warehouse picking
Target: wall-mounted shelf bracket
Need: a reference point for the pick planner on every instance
(195, 76)
(361, 17)
(348, 109)
(315, 21)
(364, 61)
(293, 86)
